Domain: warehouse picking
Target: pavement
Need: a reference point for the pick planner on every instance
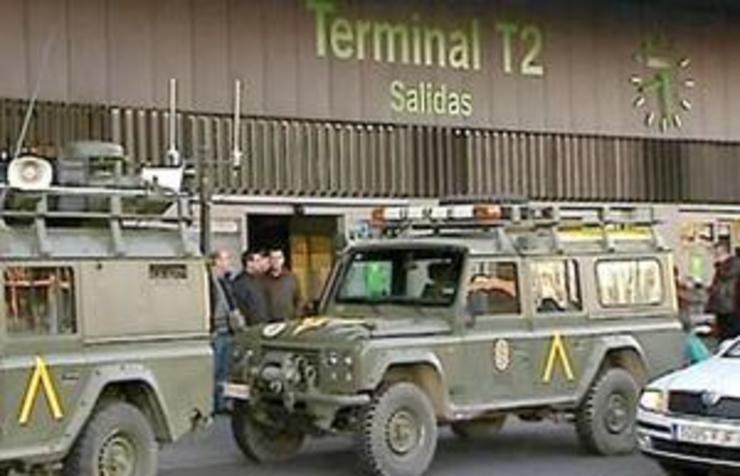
(520, 449)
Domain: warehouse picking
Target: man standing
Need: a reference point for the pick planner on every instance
(249, 289)
(724, 292)
(283, 292)
(222, 307)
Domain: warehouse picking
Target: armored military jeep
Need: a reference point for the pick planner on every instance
(465, 315)
(104, 349)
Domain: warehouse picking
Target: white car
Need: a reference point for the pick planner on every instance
(689, 420)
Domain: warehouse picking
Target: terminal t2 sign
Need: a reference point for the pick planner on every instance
(421, 44)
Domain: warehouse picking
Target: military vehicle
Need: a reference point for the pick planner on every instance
(464, 315)
(104, 348)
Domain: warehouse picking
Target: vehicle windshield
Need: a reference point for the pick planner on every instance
(416, 277)
(734, 351)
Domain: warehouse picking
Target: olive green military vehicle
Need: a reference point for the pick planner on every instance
(466, 315)
(104, 349)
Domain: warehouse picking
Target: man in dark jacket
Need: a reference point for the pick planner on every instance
(249, 289)
(724, 292)
(283, 291)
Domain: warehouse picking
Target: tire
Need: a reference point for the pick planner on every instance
(477, 429)
(605, 423)
(398, 432)
(677, 469)
(260, 443)
(117, 434)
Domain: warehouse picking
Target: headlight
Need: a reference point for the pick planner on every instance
(654, 401)
(332, 359)
(340, 365)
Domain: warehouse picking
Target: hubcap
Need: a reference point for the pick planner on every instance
(117, 456)
(617, 416)
(403, 432)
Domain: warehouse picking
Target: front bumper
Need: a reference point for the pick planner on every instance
(657, 438)
(240, 391)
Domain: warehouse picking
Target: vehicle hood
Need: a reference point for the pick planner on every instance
(714, 375)
(335, 329)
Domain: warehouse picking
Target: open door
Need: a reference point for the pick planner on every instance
(308, 244)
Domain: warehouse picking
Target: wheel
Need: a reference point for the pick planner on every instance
(118, 440)
(261, 443)
(605, 423)
(476, 429)
(676, 469)
(398, 432)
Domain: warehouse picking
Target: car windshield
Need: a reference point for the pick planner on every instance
(417, 277)
(734, 351)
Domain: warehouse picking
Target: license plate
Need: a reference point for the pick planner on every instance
(706, 435)
(236, 391)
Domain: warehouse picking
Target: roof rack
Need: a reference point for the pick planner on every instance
(101, 207)
(604, 220)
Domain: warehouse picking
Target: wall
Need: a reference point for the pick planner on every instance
(121, 52)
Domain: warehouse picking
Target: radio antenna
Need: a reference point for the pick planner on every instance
(173, 155)
(237, 152)
(36, 89)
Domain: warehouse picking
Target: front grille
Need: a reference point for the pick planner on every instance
(312, 357)
(697, 451)
(300, 359)
(690, 403)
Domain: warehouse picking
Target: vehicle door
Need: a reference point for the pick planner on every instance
(42, 362)
(497, 335)
(561, 343)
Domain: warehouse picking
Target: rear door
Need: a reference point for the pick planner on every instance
(42, 362)
(561, 342)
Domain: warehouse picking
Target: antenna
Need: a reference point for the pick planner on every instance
(36, 89)
(237, 153)
(173, 155)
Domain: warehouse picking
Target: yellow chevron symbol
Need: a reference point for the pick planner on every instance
(558, 353)
(40, 381)
(310, 324)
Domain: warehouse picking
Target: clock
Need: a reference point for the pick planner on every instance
(661, 84)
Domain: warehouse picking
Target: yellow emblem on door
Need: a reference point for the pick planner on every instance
(559, 353)
(40, 381)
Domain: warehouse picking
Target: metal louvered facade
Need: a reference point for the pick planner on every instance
(343, 159)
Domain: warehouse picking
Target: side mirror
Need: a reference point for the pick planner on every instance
(475, 306)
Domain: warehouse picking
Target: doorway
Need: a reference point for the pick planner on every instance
(309, 244)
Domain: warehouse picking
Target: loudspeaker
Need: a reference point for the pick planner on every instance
(30, 173)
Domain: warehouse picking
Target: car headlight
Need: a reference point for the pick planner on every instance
(654, 401)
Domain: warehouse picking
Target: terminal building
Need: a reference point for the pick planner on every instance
(345, 105)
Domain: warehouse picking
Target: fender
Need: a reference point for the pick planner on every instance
(376, 373)
(99, 378)
(602, 347)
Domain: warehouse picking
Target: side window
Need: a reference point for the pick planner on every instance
(493, 288)
(40, 300)
(629, 282)
(557, 287)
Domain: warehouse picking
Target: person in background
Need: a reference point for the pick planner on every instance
(249, 288)
(221, 319)
(282, 289)
(724, 292)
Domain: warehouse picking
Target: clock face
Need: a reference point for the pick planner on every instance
(662, 84)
